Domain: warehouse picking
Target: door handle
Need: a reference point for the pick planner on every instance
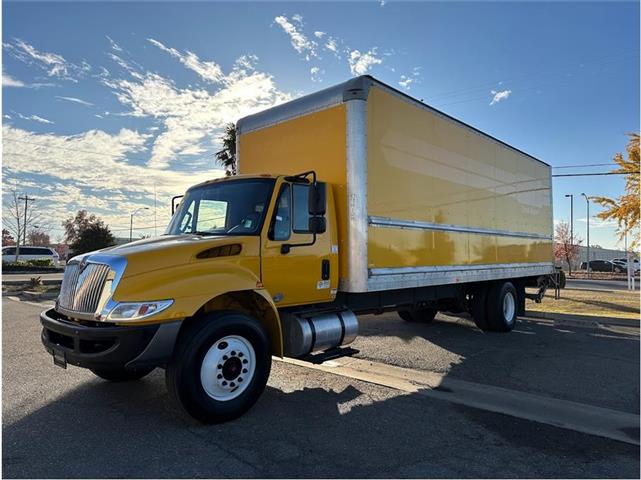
(325, 270)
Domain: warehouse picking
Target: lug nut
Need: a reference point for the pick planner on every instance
(220, 367)
(233, 352)
(245, 361)
(219, 376)
(244, 370)
(240, 354)
(225, 357)
(240, 379)
(224, 383)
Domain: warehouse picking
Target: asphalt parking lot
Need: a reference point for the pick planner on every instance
(313, 423)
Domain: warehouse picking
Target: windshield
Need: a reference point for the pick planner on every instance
(235, 207)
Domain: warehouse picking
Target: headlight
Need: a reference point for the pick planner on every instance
(128, 311)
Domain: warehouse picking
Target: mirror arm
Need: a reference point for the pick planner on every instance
(286, 247)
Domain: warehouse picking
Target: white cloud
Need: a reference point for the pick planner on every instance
(8, 81)
(8, 117)
(381, 3)
(93, 170)
(405, 82)
(299, 41)
(55, 65)
(298, 18)
(361, 63)
(499, 96)
(316, 73)
(189, 116)
(34, 118)
(208, 71)
(113, 44)
(318, 34)
(76, 100)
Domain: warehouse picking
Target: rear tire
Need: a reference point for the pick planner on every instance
(419, 315)
(220, 366)
(502, 307)
(122, 375)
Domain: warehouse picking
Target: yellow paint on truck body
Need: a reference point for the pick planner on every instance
(422, 167)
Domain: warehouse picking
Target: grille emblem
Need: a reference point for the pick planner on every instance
(82, 265)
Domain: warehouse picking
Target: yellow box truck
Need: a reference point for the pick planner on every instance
(355, 199)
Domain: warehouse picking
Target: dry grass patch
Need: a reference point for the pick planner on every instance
(620, 304)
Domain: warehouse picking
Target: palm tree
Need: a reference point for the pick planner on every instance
(227, 156)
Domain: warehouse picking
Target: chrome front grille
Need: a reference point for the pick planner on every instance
(81, 290)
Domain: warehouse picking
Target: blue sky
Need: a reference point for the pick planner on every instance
(108, 106)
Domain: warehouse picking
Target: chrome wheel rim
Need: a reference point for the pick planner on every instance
(509, 307)
(228, 368)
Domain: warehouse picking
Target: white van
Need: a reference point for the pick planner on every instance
(30, 253)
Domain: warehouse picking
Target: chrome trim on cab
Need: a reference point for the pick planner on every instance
(416, 225)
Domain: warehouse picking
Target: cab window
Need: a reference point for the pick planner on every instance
(301, 208)
(281, 223)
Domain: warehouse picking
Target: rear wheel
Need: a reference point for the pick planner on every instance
(501, 305)
(122, 375)
(419, 315)
(220, 366)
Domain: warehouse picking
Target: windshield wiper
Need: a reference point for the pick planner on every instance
(203, 233)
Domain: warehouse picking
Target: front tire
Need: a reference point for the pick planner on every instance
(220, 366)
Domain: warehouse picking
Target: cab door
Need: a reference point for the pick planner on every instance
(298, 274)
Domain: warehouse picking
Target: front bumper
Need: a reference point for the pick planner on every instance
(106, 346)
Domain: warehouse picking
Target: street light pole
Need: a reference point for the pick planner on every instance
(587, 202)
(571, 217)
(131, 222)
(571, 225)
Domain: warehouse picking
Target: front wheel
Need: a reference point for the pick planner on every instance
(220, 366)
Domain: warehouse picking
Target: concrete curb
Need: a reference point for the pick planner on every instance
(38, 296)
(581, 320)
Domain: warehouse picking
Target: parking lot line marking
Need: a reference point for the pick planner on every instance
(580, 417)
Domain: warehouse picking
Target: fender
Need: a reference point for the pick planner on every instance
(196, 287)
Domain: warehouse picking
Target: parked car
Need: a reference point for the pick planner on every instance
(30, 253)
(603, 266)
(624, 263)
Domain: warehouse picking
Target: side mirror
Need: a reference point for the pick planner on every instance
(174, 205)
(317, 199)
(317, 225)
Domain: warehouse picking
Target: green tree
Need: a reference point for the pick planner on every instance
(86, 233)
(227, 156)
(625, 209)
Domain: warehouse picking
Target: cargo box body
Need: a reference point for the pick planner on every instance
(421, 198)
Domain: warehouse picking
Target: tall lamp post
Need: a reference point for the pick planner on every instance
(131, 222)
(587, 202)
(571, 223)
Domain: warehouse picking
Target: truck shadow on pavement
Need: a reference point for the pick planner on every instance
(321, 427)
